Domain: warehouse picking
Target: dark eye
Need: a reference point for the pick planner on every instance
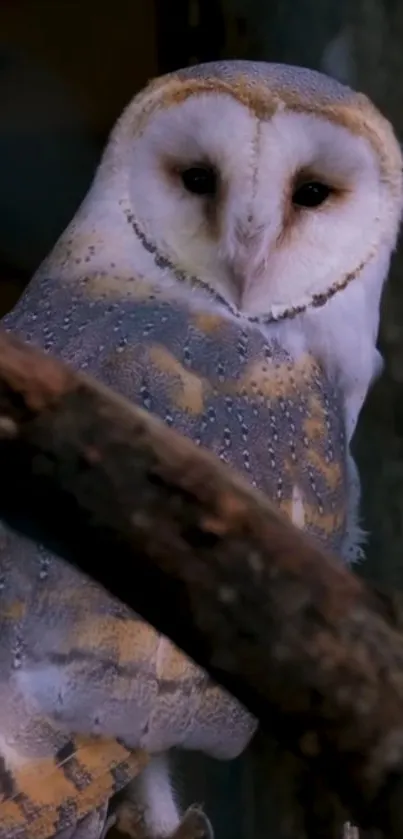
(311, 194)
(200, 180)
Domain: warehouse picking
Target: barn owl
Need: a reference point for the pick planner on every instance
(225, 272)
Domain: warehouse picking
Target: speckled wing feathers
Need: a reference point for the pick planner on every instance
(48, 796)
(88, 690)
(72, 660)
(218, 379)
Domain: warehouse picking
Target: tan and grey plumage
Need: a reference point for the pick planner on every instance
(244, 312)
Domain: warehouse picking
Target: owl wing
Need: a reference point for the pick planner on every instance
(226, 382)
(88, 690)
(55, 791)
(75, 663)
(51, 777)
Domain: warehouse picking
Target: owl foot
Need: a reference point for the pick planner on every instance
(194, 825)
(350, 831)
(129, 823)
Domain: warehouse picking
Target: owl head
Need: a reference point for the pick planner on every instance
(271, 186)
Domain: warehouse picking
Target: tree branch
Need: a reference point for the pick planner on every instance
(186, 543)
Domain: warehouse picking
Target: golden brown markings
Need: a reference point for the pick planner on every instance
(208, 322)
(314, 520)
(316, 516)
(253, 95)
(331, 472)
(172, 665)
(81, 599)
(12, 819)
(274, 381)
(261, 379)
(47, 787)
(98, 758)
(113, 287)
(327, 523)
(317, 433)
(13, 611)
(357, 113)
(314, 425)
(187, 390)
(127, 641)
(216, 698)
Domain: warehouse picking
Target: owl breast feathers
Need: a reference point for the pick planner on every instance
(224, 272)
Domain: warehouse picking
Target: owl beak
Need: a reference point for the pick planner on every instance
(245, 279)
(241, 288)
(248, 264)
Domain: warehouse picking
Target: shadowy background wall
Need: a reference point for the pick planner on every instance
(67, 68)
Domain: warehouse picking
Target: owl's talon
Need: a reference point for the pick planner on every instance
(350, 831)
(194, 825)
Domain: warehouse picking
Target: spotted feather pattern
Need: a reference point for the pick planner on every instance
(87, 688)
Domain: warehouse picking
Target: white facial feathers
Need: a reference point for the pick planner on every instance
(249, 239)
(261, 136)
(262, 132)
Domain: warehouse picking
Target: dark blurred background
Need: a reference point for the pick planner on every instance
(67, 68)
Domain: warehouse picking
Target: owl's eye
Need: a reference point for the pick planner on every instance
(311, 194)
(200, 180)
